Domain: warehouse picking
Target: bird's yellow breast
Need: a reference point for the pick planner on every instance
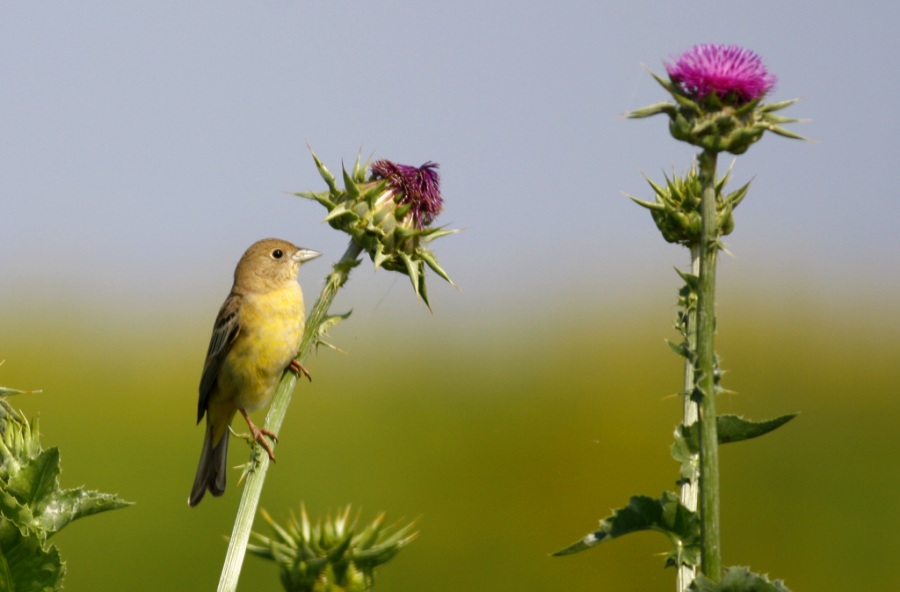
(271, 326)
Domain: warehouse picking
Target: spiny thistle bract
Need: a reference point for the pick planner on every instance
(33, 507)
(676, 209)
(718, 92)
(388, 214)
(332, 555)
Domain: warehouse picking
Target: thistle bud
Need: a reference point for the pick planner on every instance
(389, 214)
(676, 207)
(718, 92)
(331, 555)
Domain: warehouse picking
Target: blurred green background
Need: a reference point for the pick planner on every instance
(506, 438)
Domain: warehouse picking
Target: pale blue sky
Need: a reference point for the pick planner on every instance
(144, 145)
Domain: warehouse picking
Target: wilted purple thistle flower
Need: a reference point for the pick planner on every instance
(417, 186)
(726, 70)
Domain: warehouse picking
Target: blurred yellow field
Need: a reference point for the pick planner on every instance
(505, 447)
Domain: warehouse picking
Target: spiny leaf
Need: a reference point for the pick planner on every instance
(650, 110)
(25, 563)
(646, 204)
(733, 428)
(324, 173)
(37, 479)
(428, 257)
(679, 348)
(787, 134)
(691, 280)
(5, 391)
(738, 579)
(71, 504)
(666, 515)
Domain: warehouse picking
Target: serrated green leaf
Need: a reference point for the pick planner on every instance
(37, 479)
(666, 515)
(733, 428)
(738, 579)
(25, 563)
(68, 505)
(15, 512)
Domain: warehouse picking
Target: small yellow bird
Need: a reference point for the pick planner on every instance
(255, 337)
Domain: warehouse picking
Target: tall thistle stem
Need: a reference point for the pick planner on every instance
(705, 392)
(259, 463)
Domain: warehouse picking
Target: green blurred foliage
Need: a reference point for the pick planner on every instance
(505, 439)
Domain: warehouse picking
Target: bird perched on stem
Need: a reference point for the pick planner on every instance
(255, 337)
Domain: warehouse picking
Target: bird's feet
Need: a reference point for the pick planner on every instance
(259, 435)
(298, 369)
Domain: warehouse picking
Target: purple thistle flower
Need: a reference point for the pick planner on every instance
(726, 70)
(418, 186)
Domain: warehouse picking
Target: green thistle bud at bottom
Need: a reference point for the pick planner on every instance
(333, 555)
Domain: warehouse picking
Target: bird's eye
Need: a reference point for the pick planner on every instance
(277, 253)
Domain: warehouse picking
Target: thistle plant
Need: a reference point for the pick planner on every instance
(388, 215)
(33, 507)
(334, 555)
(387, 209)
(718, 94)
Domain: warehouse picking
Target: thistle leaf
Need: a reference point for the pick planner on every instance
(651, 110)
(738, 579)
(646, 204)
(666, 515)
(679, 348)
(693, 281)
(428, 257)
(325, 174)
(787, 134)
(26, 563)
(733, 428)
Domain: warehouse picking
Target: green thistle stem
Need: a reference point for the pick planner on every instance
(690, 488)
(705, 393)
(240, 535)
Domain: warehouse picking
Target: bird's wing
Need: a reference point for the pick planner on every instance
(224, 333)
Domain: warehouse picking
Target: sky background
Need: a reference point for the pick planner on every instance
(145, 145)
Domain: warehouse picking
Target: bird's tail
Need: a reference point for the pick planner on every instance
(212, 468)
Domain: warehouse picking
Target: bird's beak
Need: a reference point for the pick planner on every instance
(305, 255)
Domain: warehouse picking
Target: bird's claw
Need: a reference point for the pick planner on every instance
(259, 435)
(298, 369)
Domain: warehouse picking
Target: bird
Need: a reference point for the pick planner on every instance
(255, 337)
